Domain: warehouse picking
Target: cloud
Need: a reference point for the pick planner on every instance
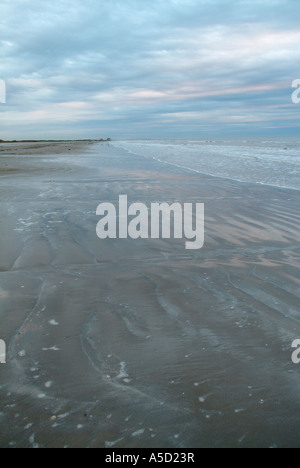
(143, 68)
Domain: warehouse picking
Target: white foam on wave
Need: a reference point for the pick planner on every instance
(269, 163)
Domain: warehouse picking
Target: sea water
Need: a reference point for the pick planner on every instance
(268, 162)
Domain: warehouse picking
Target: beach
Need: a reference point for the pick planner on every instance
(123, 343)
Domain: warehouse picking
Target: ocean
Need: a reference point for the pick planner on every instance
(267, 162)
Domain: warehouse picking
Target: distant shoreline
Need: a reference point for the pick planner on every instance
(101, 140)
(38, 148)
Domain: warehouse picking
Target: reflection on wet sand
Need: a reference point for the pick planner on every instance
(123, 343)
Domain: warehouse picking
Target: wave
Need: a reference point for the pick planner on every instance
(275, 163)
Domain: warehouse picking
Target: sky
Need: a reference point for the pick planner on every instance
(149, 69)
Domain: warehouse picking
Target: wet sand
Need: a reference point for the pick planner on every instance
(123, 343)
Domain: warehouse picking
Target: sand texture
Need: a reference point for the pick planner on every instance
(123, 343)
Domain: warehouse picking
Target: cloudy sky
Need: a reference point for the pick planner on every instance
(141, 68)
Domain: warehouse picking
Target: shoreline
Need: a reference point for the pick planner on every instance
(123, 343)
(251, 165)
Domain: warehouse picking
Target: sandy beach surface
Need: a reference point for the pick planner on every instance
(123, 343)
